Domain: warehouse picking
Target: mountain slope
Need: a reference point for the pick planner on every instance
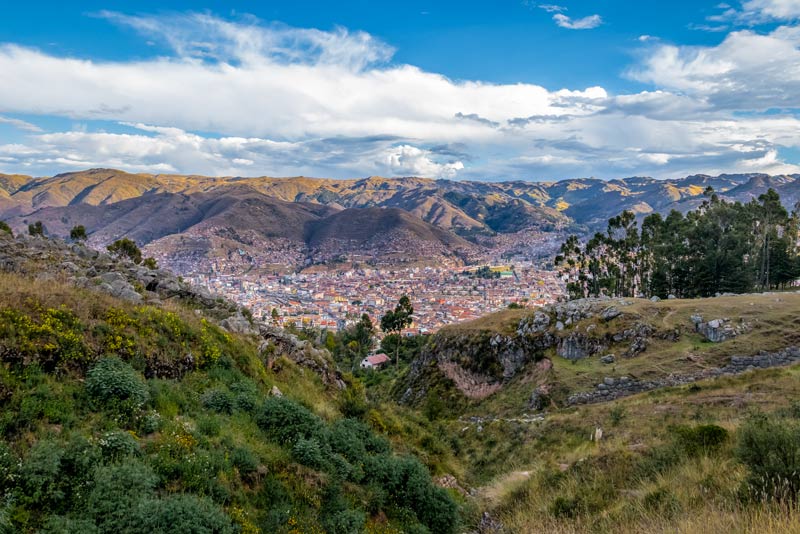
(464, 207)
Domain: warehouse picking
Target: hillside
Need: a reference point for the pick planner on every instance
(188, 230)
(463, 207)
(133, 402)
(528, 390)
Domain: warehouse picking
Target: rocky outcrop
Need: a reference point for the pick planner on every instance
(615, 387)
(279, 342)
(718, 330)
(578, 346)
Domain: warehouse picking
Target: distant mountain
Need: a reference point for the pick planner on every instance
(312, 219)
(243, 225)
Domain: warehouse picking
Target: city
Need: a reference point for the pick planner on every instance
(331, 300)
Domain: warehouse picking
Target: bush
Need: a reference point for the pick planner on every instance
(66, 525)
(180, 513)
(36, 228)
(345, 522)
(244, 460)
(115, 384)
(701, 439)
(286, 421)
(78, 233)
(219, 401)
(5, 228)
(309, 452)
(150, 422)
(126, 248)
(353, 401)
(118, 444)
(771, 451)
(117, 490)
(408, 485)
(40, 476)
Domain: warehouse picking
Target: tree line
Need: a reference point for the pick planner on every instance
(721, 247)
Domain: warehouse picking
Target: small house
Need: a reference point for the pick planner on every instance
(375, 362)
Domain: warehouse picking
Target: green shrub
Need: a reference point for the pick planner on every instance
(115, 384)
(218, 400)
(345, 522)
(701, 439)
(5, 228)
(347, 439)
(286, 421)
(150, 422)
(117, 490)
(180, 513)
(770, 449)
(353, 400)
(8, 467)
(244, 460)
(40, 476)
(408, 484)
(309, 452)
(118, 444)
(67, 525)
(209, 426)
(126, 248)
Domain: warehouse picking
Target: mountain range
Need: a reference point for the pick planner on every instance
(312, 220)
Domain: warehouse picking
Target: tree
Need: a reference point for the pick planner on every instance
(126, 248)
(275, 315)
(78, 233)
(36, 228)
(6, 228)
(394, 321)
(720, 247)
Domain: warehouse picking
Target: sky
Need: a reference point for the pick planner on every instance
(468, 90)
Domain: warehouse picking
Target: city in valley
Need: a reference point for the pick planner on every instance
(440, 295)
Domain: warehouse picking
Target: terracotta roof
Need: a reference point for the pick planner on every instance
(378, 359)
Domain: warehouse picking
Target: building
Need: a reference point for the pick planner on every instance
(374, 362)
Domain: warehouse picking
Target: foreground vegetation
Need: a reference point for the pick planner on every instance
(121, 417)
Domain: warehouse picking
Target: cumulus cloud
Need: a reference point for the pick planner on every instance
(585, 23)
(747, 71)
(288, 101)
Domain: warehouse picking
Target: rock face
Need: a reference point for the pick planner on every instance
(717, 330)
(279, 342)
(578, 346)
(613, 388)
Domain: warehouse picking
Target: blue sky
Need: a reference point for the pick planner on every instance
(464, 90)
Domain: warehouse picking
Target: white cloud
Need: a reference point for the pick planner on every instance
(552, 8)
(285, 101)
(747, 71)
(410, 160)
(20, 124)
(775, 9)
(585, 23)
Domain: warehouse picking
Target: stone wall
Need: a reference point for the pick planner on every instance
(613, 388)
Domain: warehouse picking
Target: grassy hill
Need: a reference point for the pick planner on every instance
(674, 458)
(147, 415)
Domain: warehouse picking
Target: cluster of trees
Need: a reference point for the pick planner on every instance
(720, 247)
(356, 341)
(482, 272)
